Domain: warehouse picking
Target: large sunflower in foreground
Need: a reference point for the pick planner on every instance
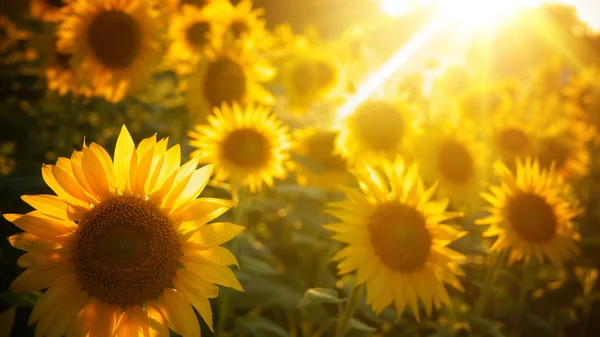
(248, 145)
(227, 76)
(376, 129)
(396, 242)
(455, 158)
(49, 10)
(114, 44)
(318, 162)
(124, 246)
(531, 215)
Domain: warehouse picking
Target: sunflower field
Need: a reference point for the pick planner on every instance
(302, 168)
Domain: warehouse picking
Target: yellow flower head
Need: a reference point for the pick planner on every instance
(49, 10)
(395, 239)
(376, 129)
(243, 24)
(531, 215)
(248, 145)
(565, 148)
(114, 44)
(318, 162)
(124, 245)
(512, 138)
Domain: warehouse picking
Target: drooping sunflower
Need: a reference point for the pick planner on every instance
(396, 242)
(318, 162)
(454, 157)
(192, 32)
(531, 214)
(248, 145)
(227, 76)
(376, 129)
(583, 100)
(124, 246)
(49, 10)
(115, 44)
(565, 146)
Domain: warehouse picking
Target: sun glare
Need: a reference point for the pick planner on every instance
(483, 12)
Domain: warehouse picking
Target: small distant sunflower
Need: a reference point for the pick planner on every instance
(124, 245)
(455, 158)
(300, 79)
(113, 43)
(227, 76)
(244, 23)
(566, 148)
(530, 214)
(192, 31)
(49, 10)
(583, 100)
(396, 242)
(249, 146)
(480, 103)
(512, 139)
(376, 129)
(319, 164)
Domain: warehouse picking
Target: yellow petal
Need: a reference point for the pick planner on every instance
(94, 174)
(123, 152)
(190, 280)
(40, 225)
(31, 280)
(199, 302)
(215, 234)
(217, 255)
(195, 185)
(52, 297)
(32, 243)
(60, 191)
(201, 211)
(220, 275)
(157, 323)
(180, 313)
(50, 205)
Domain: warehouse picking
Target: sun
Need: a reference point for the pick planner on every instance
(125, 245)
(248, 145)
(395, 240)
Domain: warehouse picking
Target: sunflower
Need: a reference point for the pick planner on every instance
(512, 138)
(244, 23)
(60, 77)
(455, 158)
(227, 76)
(318, 162)
(583, 100)
(564, 147)
(376, 129)
(300, 79)
(49, 10)
(113, 43)
(479, 103)
(192, 31)
(124, 246)
(396, 242)
(176, 5)
(530, 214)
(249, 146)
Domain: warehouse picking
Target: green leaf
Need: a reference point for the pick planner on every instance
(27, 300)
(358, 325)
(255, 266)
(257, 326)
(319, 296)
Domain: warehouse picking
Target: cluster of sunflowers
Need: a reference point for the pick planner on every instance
(126, 245)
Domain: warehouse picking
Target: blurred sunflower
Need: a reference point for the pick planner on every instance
(60, 76)
(566, 148)
(455, 158)
(396, 242)
(227, 76)
(479, 103)
(531, 215)
(124, 246)
(244, 23)
(192, 32)
(115, 44)
(583, 99)
(318, 162)
(9, 34)
(248, 145)
(512, 138)
(49, 10)
(176, 5)
(376, 129)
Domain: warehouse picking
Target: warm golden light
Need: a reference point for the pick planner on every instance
(483, 12)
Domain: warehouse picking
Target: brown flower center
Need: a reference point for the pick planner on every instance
(320, 148)
(56, 3)
(512, 140)
(247, 148)
(326, 74)
(553, 149)
(379, 124)
(399, 236)
(126, 251)
(455, 162)
(196, 34)
(532, 217)
(115, 38)
(225, 82)
(238, 28)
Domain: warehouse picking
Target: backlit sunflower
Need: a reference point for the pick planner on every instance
(124, 245)
(49, 10)
(396, 242)
(376, 129)
(455, 158)
(176, 5)
(479, 103)
(512, 139)
(227, 76)
(192, 32)
(531, 215)
(318, 162)
(244, 23)
(566, 148)
(115, 44)
(249, 145)
(583, 100)
(60, 77)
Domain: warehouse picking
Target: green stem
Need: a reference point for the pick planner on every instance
(238, 219)
(348, 311)
(484, 296)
